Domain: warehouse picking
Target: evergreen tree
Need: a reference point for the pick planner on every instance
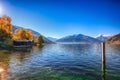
(40, 40)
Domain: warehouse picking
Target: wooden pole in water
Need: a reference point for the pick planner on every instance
(103, 56)
(103, 60)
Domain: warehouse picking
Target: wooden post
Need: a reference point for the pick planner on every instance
(103, 60)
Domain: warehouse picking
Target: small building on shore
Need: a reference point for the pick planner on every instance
(22, 43)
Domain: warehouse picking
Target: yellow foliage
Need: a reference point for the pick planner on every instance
(38, 40)
(22, 34)
(5, 27)
(35, 40)
(19, 34)
(29, 34)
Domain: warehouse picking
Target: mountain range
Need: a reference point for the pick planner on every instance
(103, 37)
(113, 39)
(78, 38)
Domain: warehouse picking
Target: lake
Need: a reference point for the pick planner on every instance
(60, 62)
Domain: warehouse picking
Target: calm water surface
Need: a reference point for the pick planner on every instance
(60, 62)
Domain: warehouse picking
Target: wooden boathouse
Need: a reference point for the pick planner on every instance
(22, 43)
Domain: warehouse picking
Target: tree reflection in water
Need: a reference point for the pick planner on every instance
(22, 53)
(20, 56)
(4, 64)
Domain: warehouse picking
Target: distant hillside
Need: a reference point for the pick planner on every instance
(52, 39)
(78, 38)
(114, 40)
(35, 34)
(103, 37)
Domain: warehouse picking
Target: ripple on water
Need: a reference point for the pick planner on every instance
(79, 59)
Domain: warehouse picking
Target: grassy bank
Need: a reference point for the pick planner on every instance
(6, 46)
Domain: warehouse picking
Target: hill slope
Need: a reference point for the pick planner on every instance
(35, 34)
(52, 39)
(114, 40)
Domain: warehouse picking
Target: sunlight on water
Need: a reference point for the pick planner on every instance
(1, 70)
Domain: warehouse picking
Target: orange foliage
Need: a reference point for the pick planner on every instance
(22, 34)
(5, 27)
(29, 34)
(35, 40)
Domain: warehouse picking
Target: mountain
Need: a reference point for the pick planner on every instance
(103, 37)
(35, 34)
(114, 40)
(52, 39)
(78, 38)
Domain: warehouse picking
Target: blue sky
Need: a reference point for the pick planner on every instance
(59, 18)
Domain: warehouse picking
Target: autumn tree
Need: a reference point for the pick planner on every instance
(29, 35)
(22, 34)
(38, 40)
(35, 40)
(5, 28)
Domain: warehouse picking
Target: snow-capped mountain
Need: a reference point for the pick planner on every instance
(103, 37)
(78, 38)
(35, 34)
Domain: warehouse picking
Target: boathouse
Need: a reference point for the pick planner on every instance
(22, 43)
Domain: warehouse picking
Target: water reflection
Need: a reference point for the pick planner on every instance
(37, 47)
(21, 55)
(4, 64)
(74, 59)
(104, 74)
